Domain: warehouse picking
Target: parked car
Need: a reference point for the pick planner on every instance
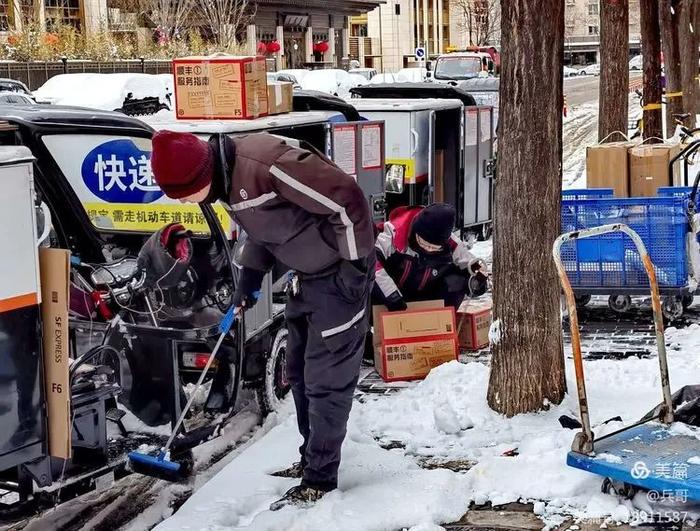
(12, 85)
(297, 73)
(17, 98)
(287, 78)
(570, 72)
(388, 78)
(636, 63)
(331, 81)
(358, 80)
(367, 73)
(590, 70)
(413, 75)
(132, 94)
(453, 67)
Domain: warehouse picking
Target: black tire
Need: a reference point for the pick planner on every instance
(582, 300)
(672, 308)
(274, 387)
(687, 300)
(620, 303)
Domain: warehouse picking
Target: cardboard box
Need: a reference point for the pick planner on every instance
(279, 97)
(54, 266)
(607, 167)
(413, 360)
(415, 341)
(473, 324)
(378, 332)
(220, 87)
(649, 168)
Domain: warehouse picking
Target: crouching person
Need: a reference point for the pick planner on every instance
(300, 209)
(419, 259)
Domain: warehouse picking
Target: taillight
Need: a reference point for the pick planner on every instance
(197, 360)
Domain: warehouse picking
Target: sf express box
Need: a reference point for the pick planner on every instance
(220, 87)
(54, 267)
(473, 324)
(416, 341)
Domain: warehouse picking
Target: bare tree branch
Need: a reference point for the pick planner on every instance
(480, 19)
(226, 18)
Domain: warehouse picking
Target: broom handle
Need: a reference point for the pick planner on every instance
(180, 420)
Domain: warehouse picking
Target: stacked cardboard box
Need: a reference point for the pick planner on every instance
(279, 97)
(415, 341)
(220, 87)
(473, 324)
(630, 168)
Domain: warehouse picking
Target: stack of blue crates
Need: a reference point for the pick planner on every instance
(612, 260)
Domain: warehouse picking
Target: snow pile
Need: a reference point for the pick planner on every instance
(444, 418)
(378, 490)
(102, 91)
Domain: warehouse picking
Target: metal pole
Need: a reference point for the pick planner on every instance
(381, 38)
(583, 443)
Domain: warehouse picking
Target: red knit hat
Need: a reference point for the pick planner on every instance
(182, 164)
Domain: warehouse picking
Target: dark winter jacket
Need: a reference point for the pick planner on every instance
(296, 207)
(401, 272)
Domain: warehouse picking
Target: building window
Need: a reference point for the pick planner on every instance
(397, 9)
(63, 12)
(592, 9)
(4, 15)
(593, 30)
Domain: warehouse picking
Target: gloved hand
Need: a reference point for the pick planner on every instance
(249, 281)
(477, 266)
(478, 284)
(395, 302)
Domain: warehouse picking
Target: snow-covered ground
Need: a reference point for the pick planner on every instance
(445, 418)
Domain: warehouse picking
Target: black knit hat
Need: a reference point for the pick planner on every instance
(435, 223)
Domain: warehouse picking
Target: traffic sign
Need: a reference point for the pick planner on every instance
(420, 53)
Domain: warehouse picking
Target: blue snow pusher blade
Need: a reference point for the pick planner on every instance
(156, 466)
(650, 456)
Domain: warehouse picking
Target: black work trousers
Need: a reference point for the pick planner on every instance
(327, 322)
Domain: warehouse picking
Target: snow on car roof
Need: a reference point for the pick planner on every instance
(167, 120)
(401, 105)
(101, 91)
(13, 154)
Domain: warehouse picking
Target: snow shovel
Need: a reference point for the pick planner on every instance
(160, 466)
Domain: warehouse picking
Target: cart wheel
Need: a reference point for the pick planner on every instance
(485, 232)
(275, 387)
(687, 301)
(582, 300)
(620, 303)
(672, 308)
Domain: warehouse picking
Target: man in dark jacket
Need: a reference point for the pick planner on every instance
(301, 210)
(418, 258)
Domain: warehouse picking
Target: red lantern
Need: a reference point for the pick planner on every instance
(273, 47)
(321, 47)
(262, 48)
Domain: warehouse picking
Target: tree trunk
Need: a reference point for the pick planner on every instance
(614, 63)
(688, 41)
(651, 44)
(672, 62)
(527, 369)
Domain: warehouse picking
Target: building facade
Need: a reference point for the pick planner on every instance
(582, 31)
(300, 27)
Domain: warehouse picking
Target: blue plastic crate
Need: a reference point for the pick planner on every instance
(674, 191)
(587, 193)
(612, 260)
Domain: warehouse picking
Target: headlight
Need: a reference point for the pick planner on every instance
(393, 183)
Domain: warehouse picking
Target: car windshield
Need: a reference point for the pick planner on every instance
(457, 67)
(11, 87)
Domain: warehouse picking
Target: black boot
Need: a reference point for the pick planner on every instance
(295, 472)
(299, 496)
